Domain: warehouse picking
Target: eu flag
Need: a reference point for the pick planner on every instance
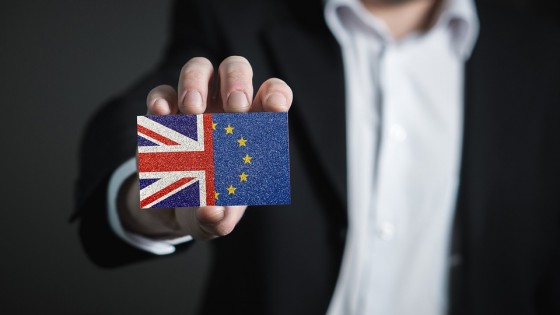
(213, 159)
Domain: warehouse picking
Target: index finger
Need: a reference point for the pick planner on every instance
(196, 76)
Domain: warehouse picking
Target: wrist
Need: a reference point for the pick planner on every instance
(153, 223)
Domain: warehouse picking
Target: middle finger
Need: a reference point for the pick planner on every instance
(236, 86)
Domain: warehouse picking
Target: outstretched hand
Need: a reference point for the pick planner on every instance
(195, 94)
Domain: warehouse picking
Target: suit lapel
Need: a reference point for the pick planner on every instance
(311, 63)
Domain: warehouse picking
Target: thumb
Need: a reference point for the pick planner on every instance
(209, 222)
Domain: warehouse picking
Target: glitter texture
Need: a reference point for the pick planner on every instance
(213, 159)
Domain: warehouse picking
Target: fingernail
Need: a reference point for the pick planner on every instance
(193, 99)
(237, 100)
(276, 100)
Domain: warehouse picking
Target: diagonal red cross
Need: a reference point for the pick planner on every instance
(185, 161)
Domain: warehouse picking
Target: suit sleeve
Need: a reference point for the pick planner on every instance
(109, 139)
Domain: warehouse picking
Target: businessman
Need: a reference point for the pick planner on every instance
(425, 152)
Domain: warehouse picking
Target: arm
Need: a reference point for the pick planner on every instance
(194, 96)
(120, 178)
(109, 141)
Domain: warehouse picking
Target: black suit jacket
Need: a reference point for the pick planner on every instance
(285, 260)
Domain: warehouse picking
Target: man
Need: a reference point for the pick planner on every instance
(425, 184)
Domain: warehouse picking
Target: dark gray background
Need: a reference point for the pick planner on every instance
(59, 60)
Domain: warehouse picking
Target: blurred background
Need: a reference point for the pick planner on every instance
(59, 61)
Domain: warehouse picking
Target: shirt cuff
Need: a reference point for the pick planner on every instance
(157, 247)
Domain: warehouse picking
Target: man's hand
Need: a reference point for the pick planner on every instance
(194, 95)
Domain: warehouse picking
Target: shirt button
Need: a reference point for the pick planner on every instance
(386, 231)
(398, 133)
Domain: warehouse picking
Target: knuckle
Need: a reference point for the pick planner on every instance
(234, 75)
(192, 75)
(196, 69)
(198, 62)
(235, 69)
(236, 60)
(275, 84)
(162, 91)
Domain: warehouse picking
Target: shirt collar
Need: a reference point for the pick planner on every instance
(459, 16)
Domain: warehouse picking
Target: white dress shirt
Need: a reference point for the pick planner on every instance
(157, 247)
(404, 129)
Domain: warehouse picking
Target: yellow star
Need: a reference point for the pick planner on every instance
(216, 194)
(229, 129)
(214, 125)
(231, 190)
(247, 159)
(243, 177)
(242, 142)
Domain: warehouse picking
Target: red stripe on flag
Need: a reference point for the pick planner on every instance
(185, 161)
(155, 135)
(209, 167)
(146, 201)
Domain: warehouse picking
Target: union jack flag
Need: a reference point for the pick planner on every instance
(213, 159)
(173, 160)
